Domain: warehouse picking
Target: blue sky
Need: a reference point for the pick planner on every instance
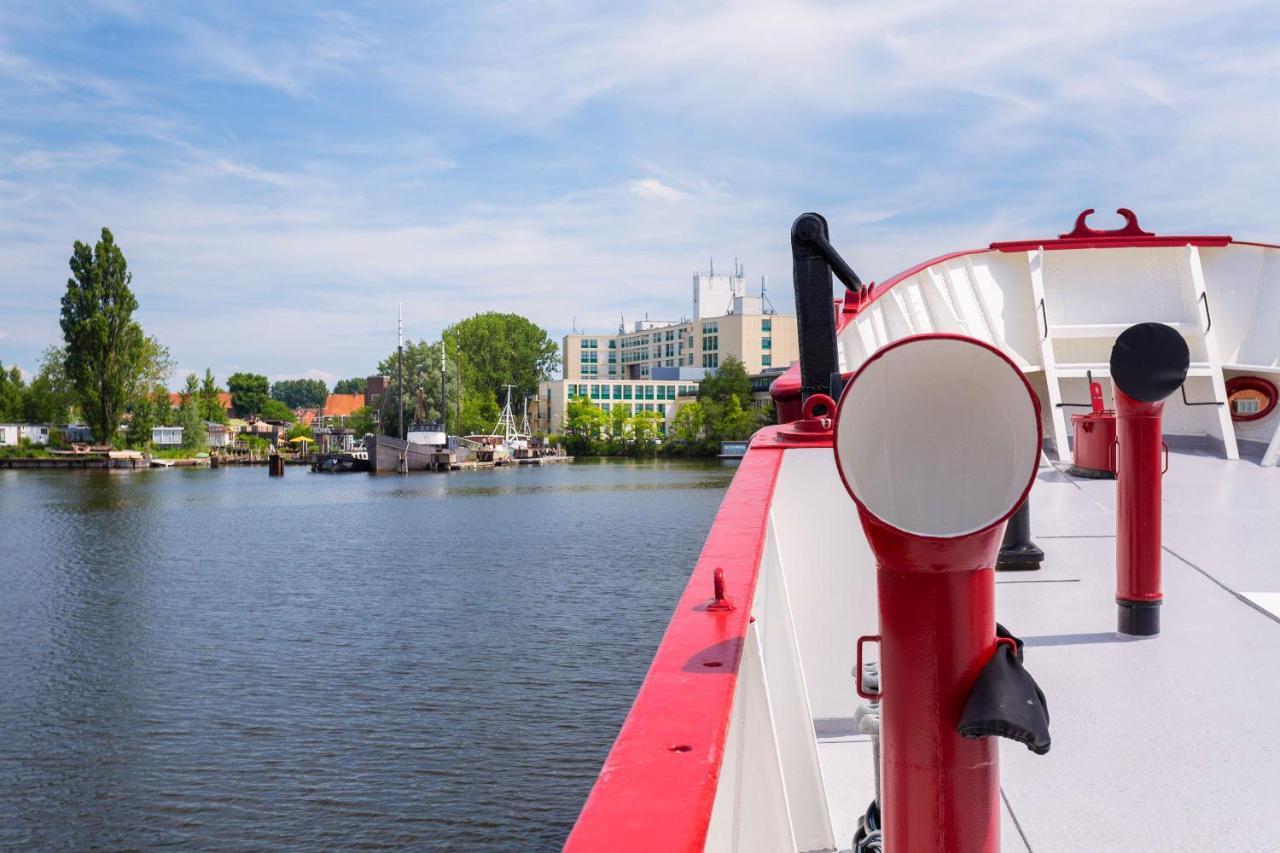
(280, 175)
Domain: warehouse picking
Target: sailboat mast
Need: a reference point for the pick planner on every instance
(444, 391)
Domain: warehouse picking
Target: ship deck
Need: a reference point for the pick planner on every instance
(1165, 743)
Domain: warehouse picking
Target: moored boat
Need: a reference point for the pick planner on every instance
(760, 726)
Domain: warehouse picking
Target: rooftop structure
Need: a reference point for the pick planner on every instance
(726, 322)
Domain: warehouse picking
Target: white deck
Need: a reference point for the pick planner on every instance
(1160, 744)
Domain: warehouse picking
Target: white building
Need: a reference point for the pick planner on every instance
(217, 435)
(166, 436)
(11, 434)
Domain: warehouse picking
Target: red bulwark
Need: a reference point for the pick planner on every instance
(657, 787)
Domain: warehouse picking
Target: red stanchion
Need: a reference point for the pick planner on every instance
(935, 481)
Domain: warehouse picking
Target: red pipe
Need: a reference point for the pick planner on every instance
(1139, 469)
(937, 630)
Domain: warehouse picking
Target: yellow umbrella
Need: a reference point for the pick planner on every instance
(302, 438)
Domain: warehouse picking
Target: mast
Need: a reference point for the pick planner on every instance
(400, 366)
(444, 392)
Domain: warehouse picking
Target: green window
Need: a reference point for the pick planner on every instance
(766, 361)
(766, 325)
(617, 392)
(595, 392)
(626, 393)
(766, 343)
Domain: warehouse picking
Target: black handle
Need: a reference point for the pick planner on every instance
(1204, 297)
(1045, 318)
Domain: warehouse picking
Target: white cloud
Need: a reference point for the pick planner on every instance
(652, 188)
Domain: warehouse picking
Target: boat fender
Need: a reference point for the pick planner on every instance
(1006, 701)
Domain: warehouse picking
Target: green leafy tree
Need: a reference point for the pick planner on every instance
(299, 431)
(210, 405)
(49, 398)
(12, 393)
(497, 350)
(687, 425)
(362, 420)
(106, 352)
(194, 435)
(148, 411)
(422, 372)
(274, 410)
(727, 381)
(585, 426)
(248, 393)
(354, 385)
(645, 431)
(300, 393)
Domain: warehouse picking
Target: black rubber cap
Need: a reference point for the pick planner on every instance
(1138, 618)
(1149, 361)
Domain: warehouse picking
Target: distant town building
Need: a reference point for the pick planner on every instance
(218, 435)
(726, 322)
(338, 408)
(662, 397)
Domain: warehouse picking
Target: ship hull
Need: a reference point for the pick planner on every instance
(386, 453)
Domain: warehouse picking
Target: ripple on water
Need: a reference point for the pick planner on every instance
(217, 659)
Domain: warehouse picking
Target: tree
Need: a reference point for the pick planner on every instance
(11, 393)
(248, 393)
(728, 380)
(210, 403)
(354, 385)
(299, 431)
(148, 411)
(194, 435)
(645, 432)
(106, 350)
(585, 424)
(300, 393)
(49, 398)
(274, 410)
(361, 421)
(687, 425)
(422, 371)
(502, 349)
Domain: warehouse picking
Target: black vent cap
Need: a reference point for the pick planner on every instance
(1149, 361)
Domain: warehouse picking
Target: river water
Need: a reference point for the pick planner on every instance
(218, 659)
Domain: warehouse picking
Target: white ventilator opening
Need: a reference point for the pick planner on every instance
(938, 437)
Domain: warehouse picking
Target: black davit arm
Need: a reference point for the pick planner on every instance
(814, 261)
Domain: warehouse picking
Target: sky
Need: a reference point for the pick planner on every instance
(281, 175)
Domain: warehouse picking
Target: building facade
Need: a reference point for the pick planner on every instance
(662, 397)
(726, 322)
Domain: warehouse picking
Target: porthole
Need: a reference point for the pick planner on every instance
(1250, 398)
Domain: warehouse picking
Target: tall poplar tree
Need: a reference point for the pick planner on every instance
(106, 351)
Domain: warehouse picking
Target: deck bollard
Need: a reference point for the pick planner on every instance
(935, 483)
(1148, 363)
(1017, 552)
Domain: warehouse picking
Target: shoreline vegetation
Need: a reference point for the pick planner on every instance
(109, 375)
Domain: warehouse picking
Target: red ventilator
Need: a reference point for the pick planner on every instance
(1148, 363)
(937, 439)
